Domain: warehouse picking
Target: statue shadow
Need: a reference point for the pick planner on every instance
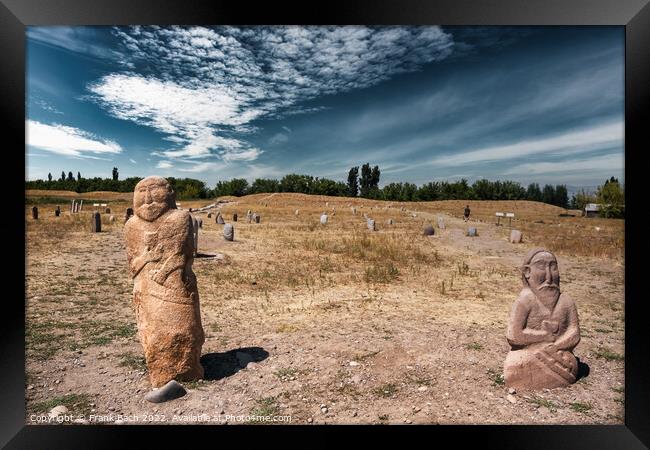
(205, 255)
(221, 365)
(583, 370)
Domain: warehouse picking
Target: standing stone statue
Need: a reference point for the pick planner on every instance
(228, 232)
(209, 215)
(234, 217)
(543, 328)
(107, 210)
(35, 213)
(159, 244)
(81, 205)
(428, 230)
(371, 225)
(323, 219)
(128, 214)
(389, 222)
(257, 218)
(195, 236)
(72, 206)
(441, 223)
(57, 211)
(220, 220)
(96, 223)
(296, 213)
(472, 232)
(111, 219)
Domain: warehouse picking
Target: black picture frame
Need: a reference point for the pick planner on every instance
(634, 15)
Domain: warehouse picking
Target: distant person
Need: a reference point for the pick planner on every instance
(466, 213)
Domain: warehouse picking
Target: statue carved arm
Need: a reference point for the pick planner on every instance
(518, 334)
(137, 263)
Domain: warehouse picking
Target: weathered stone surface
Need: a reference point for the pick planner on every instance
(96, 222)
(515, 236)
(441, 223)
(543, 328)
(472, 232)
(428, 230)
(323, 219)
(371, 225)
(170, 391)
(234, 217)
(228, 232)
(35, 213)
(159, 246)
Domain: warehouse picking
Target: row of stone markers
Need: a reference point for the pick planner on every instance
(542, 331)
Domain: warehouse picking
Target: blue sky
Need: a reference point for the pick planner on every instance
(530, 104)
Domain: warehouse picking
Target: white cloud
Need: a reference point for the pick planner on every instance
(594, 138)
(600, 164)
(200, 86)
(68, 141)
(133, 161)
(279, 138)
(164, 165)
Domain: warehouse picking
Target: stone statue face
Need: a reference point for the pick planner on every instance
(543, 276)
(153, 197)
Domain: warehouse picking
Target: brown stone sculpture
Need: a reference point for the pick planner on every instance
(159, 242)
(543, 328)
(35, 213)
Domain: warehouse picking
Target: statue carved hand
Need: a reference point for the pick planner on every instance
(158, 276)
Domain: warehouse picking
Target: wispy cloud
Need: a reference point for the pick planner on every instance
(133, 161)
(79, 40)
(164, 165)
(613, 162)
(68, 141)
(590, 139)
(203, 86)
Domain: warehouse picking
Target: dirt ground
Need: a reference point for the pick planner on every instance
(309, 323)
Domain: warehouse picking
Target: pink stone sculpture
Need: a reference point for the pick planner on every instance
(543, 328)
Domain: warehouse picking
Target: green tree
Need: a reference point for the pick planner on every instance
(534, 193)
(235, 187)
(365, 181)
(62, 175)
(353, 182)
(261, 185)
(78, 176)
(548, 194)
(581, 199)
(115, 174)
(612, 199)
(561, 196)
(70, 176)
(49, 177)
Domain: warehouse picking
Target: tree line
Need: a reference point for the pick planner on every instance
(185, 188)
(360, 183)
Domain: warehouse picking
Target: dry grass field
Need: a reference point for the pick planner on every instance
(342, 325)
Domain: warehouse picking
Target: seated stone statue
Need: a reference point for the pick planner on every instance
(543, 328)
(159, 245)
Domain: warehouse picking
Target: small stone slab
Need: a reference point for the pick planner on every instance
(170, 391)
(515, 236)
(428, 230)
(472, 232)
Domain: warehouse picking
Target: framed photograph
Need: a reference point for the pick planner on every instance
(408, 214)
